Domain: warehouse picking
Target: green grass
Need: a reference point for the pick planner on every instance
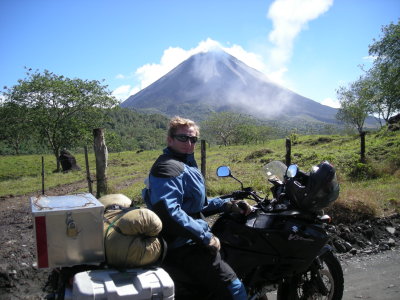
(368, 189)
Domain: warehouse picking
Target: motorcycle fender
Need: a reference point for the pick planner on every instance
(325, 249)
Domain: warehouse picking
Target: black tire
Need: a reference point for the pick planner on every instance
(304, 287)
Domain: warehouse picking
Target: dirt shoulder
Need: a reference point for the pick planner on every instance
(19, 277)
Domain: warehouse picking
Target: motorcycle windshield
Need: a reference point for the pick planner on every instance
(275, 169)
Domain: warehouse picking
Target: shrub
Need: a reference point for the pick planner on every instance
(353, 208)
(393, 204)
(321, 140)
(361, 171)
(394, 160)
(258, 154)
(294, 138)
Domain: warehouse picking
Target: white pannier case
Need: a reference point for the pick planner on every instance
(134, 284)
(68, 230)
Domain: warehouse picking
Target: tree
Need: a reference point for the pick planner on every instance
(263, 133)
(231, 128)
(15, 125)
(252, 133)
(222, 128)
(355, 105)
(64, 111)
(385, 72)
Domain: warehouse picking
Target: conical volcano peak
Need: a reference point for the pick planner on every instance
(213, 55)
(214, 51)
(216, 63)
(208, 65)
(214, 80)
(209, 46)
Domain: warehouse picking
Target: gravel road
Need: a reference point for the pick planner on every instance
(370, 276)
(373, 276)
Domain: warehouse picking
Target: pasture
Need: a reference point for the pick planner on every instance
(367, 190)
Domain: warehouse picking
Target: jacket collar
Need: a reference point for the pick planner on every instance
(183, 157)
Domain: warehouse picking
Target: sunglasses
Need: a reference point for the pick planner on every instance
(184, 138)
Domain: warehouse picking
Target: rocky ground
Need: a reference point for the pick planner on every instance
(20, 279)
(367, 237)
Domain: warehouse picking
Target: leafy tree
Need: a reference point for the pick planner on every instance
(231, 128)
(244, 134)
(15, 125)
(386, 71)
(251, 133)
(294, 137)
(64, 111)
(222, 128)
(355, 103)
(264, 133)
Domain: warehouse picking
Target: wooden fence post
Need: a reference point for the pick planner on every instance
(288, 158)
(89, 180)
(362, 145)
(101, 153)
(42, 175)
(203, 159)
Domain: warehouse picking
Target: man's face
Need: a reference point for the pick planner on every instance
(183, 147)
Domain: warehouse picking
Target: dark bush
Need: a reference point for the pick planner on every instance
(350, 213)
(361, 171)
(258, 154)
(321, 140)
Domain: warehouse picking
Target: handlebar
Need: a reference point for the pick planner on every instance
(248, 193)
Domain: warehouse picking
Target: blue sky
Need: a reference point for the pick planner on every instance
(309, 46)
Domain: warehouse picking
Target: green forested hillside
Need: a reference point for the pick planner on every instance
(126, 130)
(129, 130)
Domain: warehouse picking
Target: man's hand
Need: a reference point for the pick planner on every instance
(240, 206)
(214, 245)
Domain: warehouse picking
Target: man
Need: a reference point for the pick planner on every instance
(176, 192)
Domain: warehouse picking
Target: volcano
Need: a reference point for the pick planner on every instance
(216, 81)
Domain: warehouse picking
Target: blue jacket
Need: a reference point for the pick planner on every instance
(176, 193)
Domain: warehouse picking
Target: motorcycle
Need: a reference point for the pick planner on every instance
(282, 244)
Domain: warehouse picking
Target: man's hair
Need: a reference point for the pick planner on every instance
(177, 122)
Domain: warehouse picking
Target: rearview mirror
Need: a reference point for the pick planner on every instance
(291, 171)
(223, 171)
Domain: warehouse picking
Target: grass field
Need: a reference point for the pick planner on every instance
(371, 189)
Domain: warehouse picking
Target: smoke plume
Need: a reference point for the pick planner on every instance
(289, 18)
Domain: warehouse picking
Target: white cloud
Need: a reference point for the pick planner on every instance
(289, 18)
(149, 73)
(124, 91)
(173, 56)
(331, 102)
(249, 58)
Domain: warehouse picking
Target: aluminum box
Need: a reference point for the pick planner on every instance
(68, 230)
(135, 284)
